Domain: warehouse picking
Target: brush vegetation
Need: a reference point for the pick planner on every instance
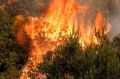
(70, 61)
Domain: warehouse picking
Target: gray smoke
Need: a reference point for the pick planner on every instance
(111, 8)
(115, 20)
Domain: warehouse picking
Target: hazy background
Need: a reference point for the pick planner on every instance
(115, 20)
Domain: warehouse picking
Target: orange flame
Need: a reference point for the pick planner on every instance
(55, 26)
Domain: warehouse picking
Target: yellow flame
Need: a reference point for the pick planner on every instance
(58, 23)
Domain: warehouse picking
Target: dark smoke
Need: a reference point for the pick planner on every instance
(26, 7)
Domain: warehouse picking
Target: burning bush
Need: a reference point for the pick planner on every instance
(89, 56)
(93, 63)
(62, 18)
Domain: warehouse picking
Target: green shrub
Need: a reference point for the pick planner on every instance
(98, 62)
(12, 55)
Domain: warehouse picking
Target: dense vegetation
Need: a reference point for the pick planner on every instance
(72, 62)
(12, 55)
(69, 61)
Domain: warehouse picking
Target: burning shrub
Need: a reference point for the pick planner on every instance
(92, 63)
(85, 57)
(62, 18)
